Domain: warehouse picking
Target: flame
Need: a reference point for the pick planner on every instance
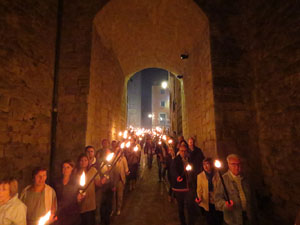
(82, 179)
(159, 142)
(129, 137)
(110, 156)
(125, 134)
(141, 138)
(128, 144)
(164, 137)
(44, 219)
(170, 141)
(122, 145)
(120, 133)
(188, 167)
(135, 148)
(218, 164)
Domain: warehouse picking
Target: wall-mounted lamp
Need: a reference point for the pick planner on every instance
(184, 56)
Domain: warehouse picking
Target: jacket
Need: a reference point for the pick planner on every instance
(234, 216)
(177, 169)
(202, 189)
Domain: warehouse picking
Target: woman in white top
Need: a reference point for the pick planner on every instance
(12, 210)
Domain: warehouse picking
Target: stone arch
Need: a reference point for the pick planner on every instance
(129, 36)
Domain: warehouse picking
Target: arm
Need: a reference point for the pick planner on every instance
(199, 188)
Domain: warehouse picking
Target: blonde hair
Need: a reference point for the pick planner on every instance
(13, 185)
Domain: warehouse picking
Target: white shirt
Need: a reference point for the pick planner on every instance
(13, 212)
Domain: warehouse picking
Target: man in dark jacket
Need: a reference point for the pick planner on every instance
(180, 170)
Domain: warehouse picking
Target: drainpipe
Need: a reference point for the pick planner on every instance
(54, 111)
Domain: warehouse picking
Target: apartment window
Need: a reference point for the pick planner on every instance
(162, 103)
(162, 91)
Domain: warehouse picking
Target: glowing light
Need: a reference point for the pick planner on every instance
(120, 133)
(129, 137)
(110, 156)
(44, 219)
(135, 148)
(150, 115)
(170, 141)
(164, 137)
(159, 142)
(164, 84)
(128, 144)
(218, 164)
(122, 145)
(82, 179)
(188, 167)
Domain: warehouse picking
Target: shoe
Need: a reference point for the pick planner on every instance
(118, 213)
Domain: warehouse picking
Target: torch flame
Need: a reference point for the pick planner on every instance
(125, 134)
(218, 164)
(110, 156)
(82, 179)
(44, 219)
(135, 148)
(128, 144)
(188, 167)
(123, 145)
(120, 133)
(159, 142)
(170, 141)
(164, 137)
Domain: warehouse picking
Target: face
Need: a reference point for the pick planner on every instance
(191, 142)
(207, 166)
(90, 153)
(234, 165)
(84, 162)
(40, 178)
(105, 143)
(182, 151)
(113, 144)
(67, 169)
(4, 193)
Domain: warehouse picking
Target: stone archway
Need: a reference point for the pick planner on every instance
(132, 35)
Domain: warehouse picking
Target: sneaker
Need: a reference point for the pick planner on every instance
(118, 213)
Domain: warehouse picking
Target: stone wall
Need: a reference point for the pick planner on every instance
(27, 43)
(199, 99)
(255, 73)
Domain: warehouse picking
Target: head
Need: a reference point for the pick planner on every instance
(90, 152)
(234, 164)
(183, 143)
(180, 138)
(83, 161)
(114, 144)
(208, 165)
(105, 143)
(183, 151)
(67, 168)
(8, 189)
(191, 142)
(39, 176)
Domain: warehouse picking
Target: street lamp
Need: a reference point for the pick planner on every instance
(150, 115)
(164, 84)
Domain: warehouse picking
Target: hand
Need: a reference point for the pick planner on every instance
(127, 173)
(80, 197)
(179, 179)
(229, 204)
(198, 200)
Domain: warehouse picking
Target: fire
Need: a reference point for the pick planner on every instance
(128, 144)
(159, 142)
(44, 219)
(120, 133)
(82, 179)
(135, 148)
(110, 156)
(218, 164)
(122, 145)
(164, 137)
(188, 167)
(170, 141)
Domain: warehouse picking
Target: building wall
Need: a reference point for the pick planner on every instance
(157, 109)
(134, 100)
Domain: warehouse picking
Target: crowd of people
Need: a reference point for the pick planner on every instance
(193, 181)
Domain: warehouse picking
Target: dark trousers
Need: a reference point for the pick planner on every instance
(88, 218)
(184, 200)
(159, 166)
(106, 206)
(213, 217)
(149, 160)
